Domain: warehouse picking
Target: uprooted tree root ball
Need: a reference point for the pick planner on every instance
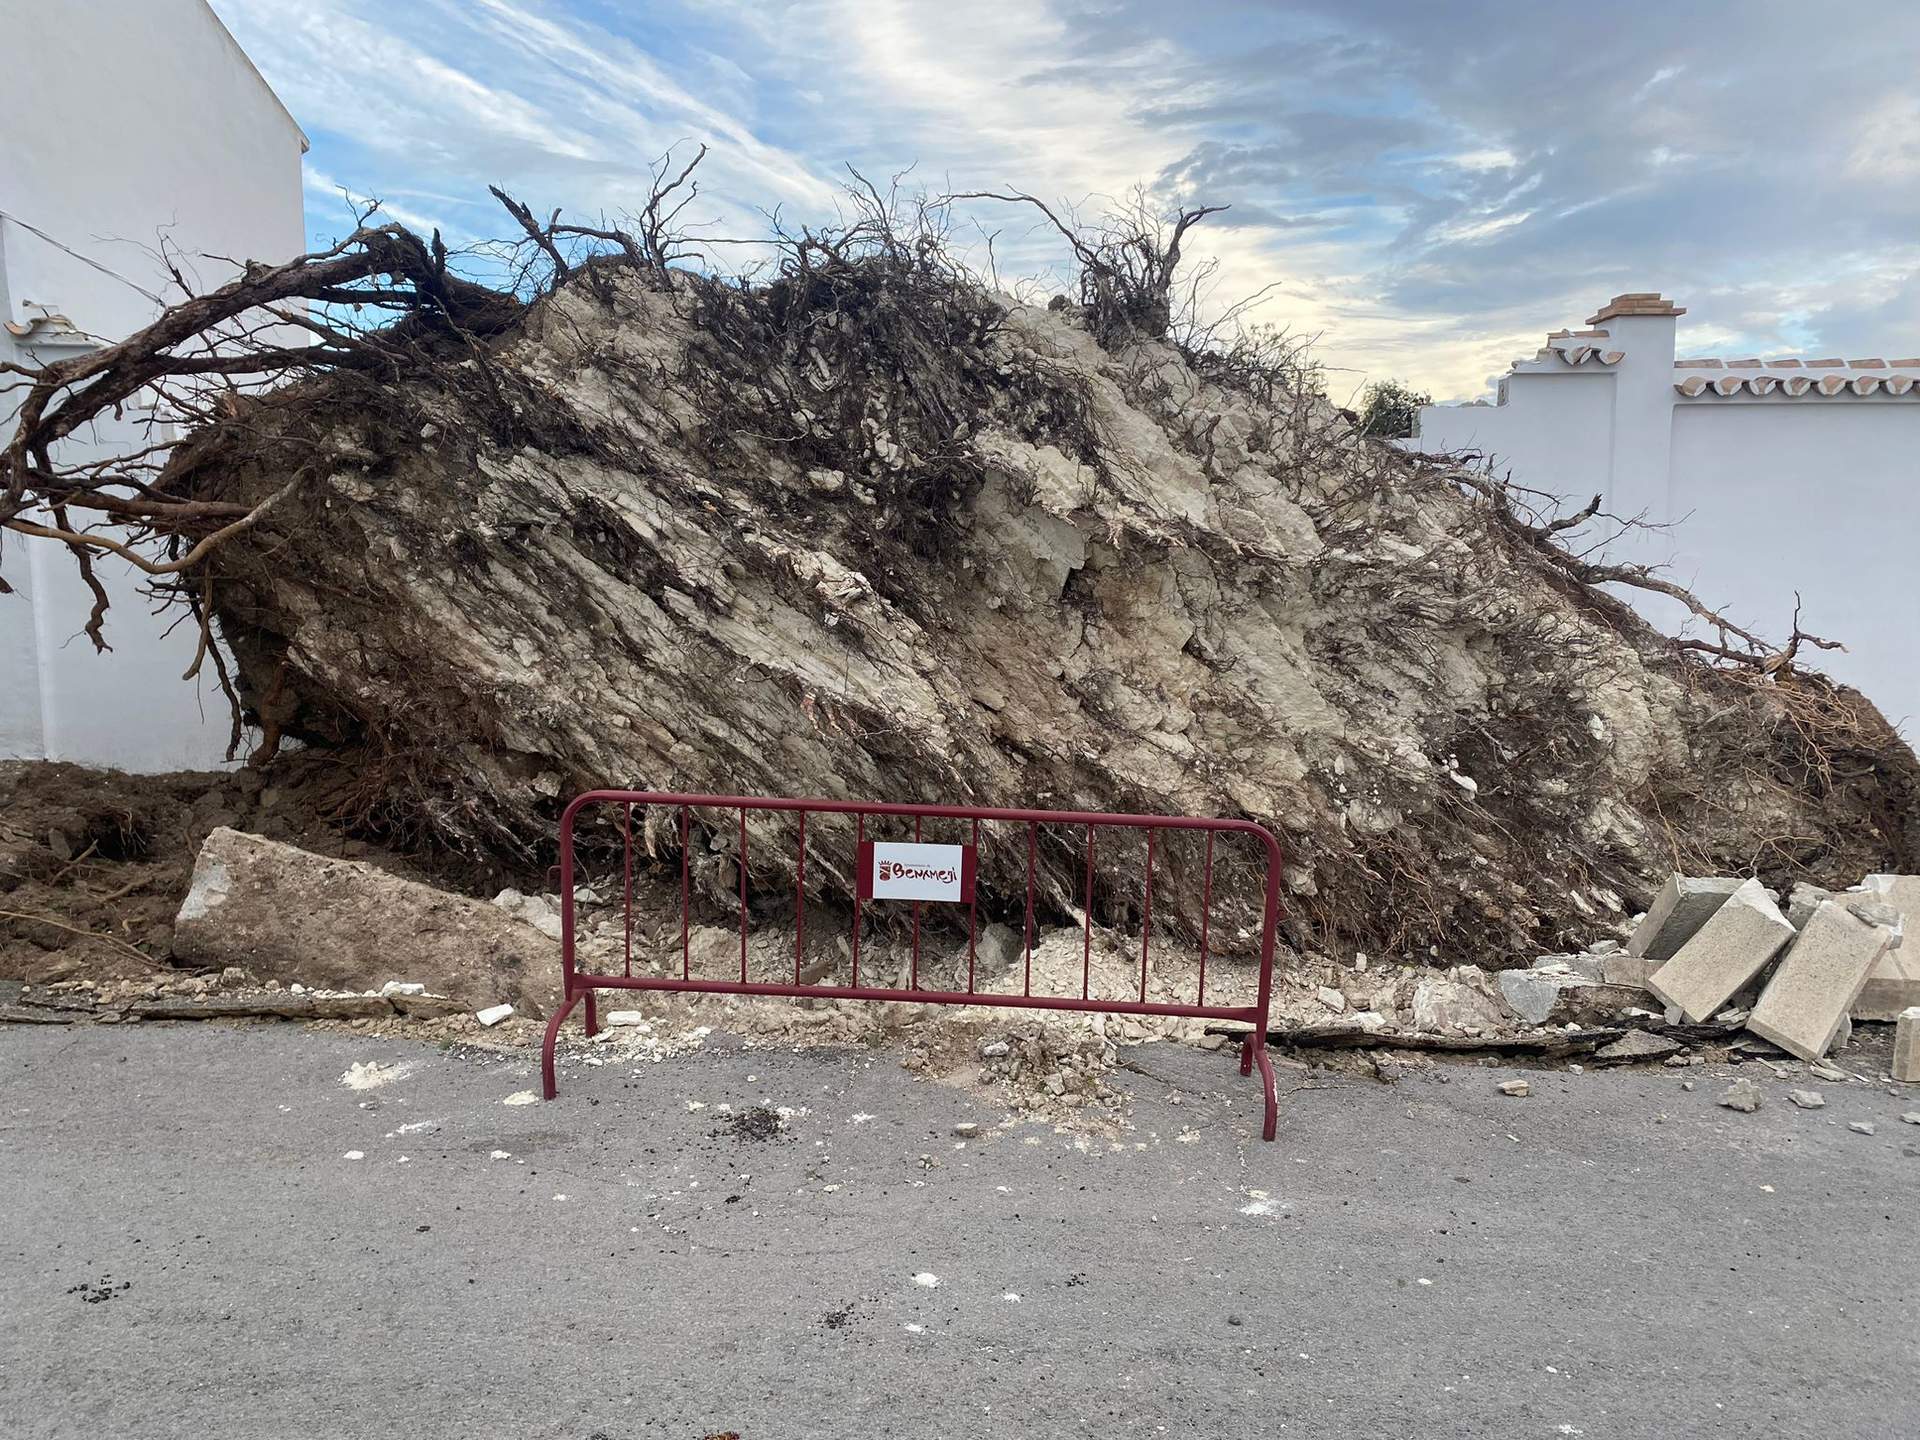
(861, 526)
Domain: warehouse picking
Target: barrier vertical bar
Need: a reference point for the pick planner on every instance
(800, 904)
(914, 982)
(1146, 921)
(1027, 987)
(743, 894)
(973, 905)
(1086, 954)
(859, 845)
(1206, 909)
(686, 895)
(626, 851)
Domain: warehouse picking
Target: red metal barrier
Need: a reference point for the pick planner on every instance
(923, 873)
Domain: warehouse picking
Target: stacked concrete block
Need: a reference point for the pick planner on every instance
(1684, 904)
(1906, 1047)
(1725, 953)
(1894, 983)
(1807, 1001)
(1893, 986)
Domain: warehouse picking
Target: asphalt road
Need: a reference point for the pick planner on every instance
(186, 1250)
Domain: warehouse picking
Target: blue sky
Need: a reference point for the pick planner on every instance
(1428, 187)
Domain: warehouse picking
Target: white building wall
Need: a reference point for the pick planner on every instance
(1768, 493)
(125, 125)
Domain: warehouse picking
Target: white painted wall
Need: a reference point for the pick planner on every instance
(1768, 494)
(121, 122)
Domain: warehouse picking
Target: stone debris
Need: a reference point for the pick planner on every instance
(493, 1014)
(1803, 1008)
(288, 914)
(1807, 1099)
(1906, 1047)
(1860, 1127)
(1742, 1095)
(967, 1129)
(1462, 1002)
(1518, 1088)
(1912, 1117)
(1684, 904)
(1725, 954)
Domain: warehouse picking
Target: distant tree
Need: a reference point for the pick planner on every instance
(1389, 409)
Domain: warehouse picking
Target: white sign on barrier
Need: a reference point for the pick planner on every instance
(911, 871)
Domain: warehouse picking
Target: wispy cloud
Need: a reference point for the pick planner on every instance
(1432, 186)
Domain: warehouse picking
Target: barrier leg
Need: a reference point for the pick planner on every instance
(1273, 1094)
(548, 1087)
(1246, 1052)
(593, 1016)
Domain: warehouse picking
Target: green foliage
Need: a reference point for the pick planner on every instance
(1389, 409)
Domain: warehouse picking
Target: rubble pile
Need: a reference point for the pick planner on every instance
(875, 531)
(1720, 949)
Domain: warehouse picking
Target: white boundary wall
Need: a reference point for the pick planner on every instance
(121, 121)
(1783, 475)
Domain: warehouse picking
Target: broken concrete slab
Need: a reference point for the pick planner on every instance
(1629, 970)
(1742, 1095)
(1636, 1045)
(1906, 1047)
(1724, 954)
(270, 1005)
(1684, 904)
(1805, 1003)
(1560, 996)
(287, 914)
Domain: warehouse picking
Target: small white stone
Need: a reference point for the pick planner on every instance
(521, 1097)
(402, 987)
(927, 1278)
(493, 1014)
(1518, 1088)
(354, 1155)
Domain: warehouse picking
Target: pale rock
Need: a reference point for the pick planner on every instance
(1729, 949)
(281, 912)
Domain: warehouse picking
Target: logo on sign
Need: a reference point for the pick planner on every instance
(889, 870)
(915, 871)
